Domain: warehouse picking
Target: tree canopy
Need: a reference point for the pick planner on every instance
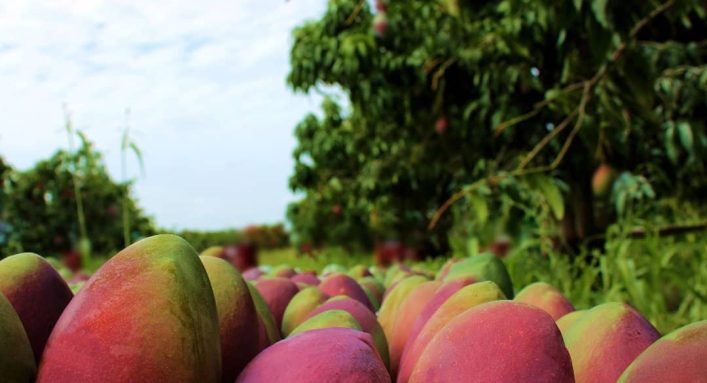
(38, 206)
(502, 105)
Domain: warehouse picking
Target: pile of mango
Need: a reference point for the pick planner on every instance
(159, 312)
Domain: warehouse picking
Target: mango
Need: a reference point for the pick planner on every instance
(365, 318)
(444, 270)
(268, 333)
(283, 271)
(277, 293)
(395, 273)
(341, 284)
(359, 271)
(566, 321)
(404, 321)
(546, 297)
(391, 304)
(303, 303)
(483, 267)
(377, 273)
(374, 290)
(38, 294)
(253, 274)
(236, 316)
(16, 358)
(307, 278)
(464, 299)
(446, 290)
(327, 319)
(605, 340)
(603, 179)
(212, 251)
(680, 356)
(147, 315)
(496, 342)
(326, 355)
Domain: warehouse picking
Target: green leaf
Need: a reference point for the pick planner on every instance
(561, 37)
(452, 7)
(84, 139)
(578, 5)
(620, 203)
(480, 207)
(670, 147)
(472, 247)
(599, 9)
(552, 195)
(125, 142)
(685, 135)
(138, 154)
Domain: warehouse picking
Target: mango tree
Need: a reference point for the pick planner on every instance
(508, 105)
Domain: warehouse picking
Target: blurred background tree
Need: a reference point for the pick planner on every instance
(39, 208)
(514, 108)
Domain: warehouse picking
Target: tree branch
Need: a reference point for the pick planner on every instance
(580, 111)
(356, 12)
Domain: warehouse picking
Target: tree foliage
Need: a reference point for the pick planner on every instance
(39, 205)
(465, 99)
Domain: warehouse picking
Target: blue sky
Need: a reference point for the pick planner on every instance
(205, 83)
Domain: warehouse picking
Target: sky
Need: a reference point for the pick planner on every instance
(204, 82)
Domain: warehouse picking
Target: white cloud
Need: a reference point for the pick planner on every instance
(205, 82)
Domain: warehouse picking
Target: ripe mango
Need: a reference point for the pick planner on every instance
(500, 342)
(325, 355)
(605, 340)
(147, 315)
(38, 294)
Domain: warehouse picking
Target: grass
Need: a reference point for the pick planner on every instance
(663, 278)
(331, 256)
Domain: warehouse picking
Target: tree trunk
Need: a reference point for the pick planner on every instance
(578, 223)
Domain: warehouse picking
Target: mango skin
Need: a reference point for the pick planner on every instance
(568, 320)
(147, 315)
(483, 267)
(404, 321)
(307, 278)
(444, 270)
(497, 342)
(328, 319)
(267, 332)
(252, 274)
(326, 355)
(365, 318)
(16, 358)
(277, 293)
(394, 274)
(359, 271)
(605, 340)
(236, 315)
(680, 356)
(546, 297)
(212, 251)
(391, 304)
(283, 271)
(38, 294)
(341, 284)
(446, 290)
(300, 306)
(461, 301)
(374, 289)
(603, 179)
